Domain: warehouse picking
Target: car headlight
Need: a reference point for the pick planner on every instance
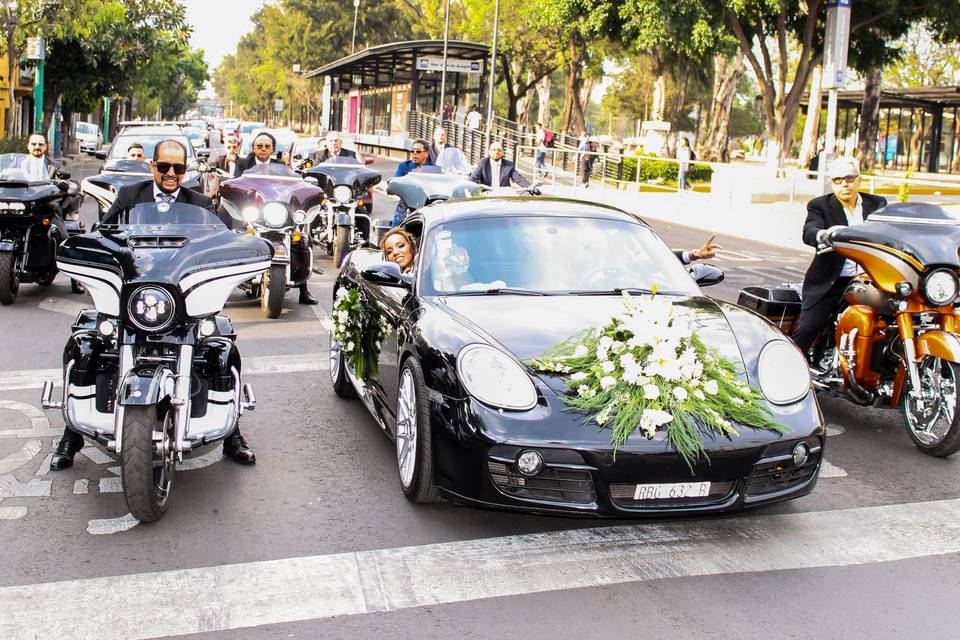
(250, 214)
(494, 378)
(941, 287)
(274, 214)
(782, 372)
(342, 193)
(151, 308)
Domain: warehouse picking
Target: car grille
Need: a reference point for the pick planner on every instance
(551, 484)
(622, 497)
(776, 472)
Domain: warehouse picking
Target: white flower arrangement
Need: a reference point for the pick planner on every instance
(647, 369)
(359, 326)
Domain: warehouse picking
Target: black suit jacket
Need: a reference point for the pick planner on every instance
(142, 192)
(222, 163)
(508, 172)
(323, 156)
(245, 163)
(822, 213)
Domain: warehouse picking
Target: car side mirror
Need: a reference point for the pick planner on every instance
(100, 155)
(387, 274)
(706, 274)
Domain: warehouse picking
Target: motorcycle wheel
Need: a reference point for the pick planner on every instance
(9, 278)
(147, 476)
(341, 244)
(934, 429)
(338, 371)
(273, 287)
(75, 286)
(47, 279)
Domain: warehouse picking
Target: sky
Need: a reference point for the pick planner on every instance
(218, 25)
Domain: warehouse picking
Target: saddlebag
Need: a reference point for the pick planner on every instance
(780, 304)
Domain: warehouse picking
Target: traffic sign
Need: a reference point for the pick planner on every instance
(35, 49)
(836, 43)
(278, 105)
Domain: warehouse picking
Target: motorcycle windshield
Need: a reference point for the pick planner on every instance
(270, 170)
(165, 244)
(923, 231)
(417, 189)
(23, 169)
(335, 172)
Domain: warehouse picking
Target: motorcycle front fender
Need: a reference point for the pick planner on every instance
(343, 220)
(145, 386)
(939, 344)
(7, 246)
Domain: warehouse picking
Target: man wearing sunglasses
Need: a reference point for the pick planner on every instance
(829, 273)
(263, 146)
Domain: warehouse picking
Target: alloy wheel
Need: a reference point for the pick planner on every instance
(407, 428)
(931, 423)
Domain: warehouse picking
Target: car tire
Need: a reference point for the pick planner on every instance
(338, 371)
(414, 445)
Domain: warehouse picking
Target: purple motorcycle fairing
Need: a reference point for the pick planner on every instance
(271, 183)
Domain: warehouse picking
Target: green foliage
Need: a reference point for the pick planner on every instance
(655, 170)
(17, 144)
(359, 325)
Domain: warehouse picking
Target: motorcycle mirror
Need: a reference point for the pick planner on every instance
(312, 180)
(368, 160)
(706, 274)
(203, 153)
(387, 274)
(63, 175)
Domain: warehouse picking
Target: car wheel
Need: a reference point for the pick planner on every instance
(413, 441)
(338, 371)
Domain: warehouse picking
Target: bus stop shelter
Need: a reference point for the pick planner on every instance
(373, 91)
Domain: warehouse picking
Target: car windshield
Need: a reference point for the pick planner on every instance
(247, 127)
(148, 141)
(548, 254)
(20, 167)
(166, 215)
(195, 134)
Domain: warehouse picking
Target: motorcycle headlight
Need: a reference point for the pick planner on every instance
(941, 287)
(342, 193)
(151, 308)
(782, 372)
(250, 214)
(494, 378)
(274, 214)
(299, 216)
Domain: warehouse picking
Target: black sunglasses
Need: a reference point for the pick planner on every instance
(417, 150)
(178, 167)
(850, 179)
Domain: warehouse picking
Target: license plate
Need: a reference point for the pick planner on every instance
(671, 491)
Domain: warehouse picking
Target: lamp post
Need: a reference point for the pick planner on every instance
(356, 13)
(493, 71)
(443, 73)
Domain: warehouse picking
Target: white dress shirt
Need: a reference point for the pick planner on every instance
(495, 172)
(854, 216)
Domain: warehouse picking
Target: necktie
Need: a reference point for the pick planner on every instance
(165, 198)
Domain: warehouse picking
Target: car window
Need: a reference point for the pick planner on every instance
(148, 141)
(549, 254)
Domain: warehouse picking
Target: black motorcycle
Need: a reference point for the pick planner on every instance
(153, 373)
(342, 226)
(31, 203)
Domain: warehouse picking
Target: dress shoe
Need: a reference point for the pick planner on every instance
(307, 298)
(67, 448)
(235, 448)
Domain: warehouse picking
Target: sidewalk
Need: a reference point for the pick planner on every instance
(778, 223)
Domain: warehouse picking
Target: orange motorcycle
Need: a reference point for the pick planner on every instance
(895, 343)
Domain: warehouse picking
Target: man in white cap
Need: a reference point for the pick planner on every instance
(829, 273)
(495, 171)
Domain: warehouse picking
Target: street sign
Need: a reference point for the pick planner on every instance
(278, 105)
(836, 41)
(457, 65)
(35, 49)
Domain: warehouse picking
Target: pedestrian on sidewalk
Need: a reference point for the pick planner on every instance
(540, 159)
(474, 117)
(587, 159)
(683, 157)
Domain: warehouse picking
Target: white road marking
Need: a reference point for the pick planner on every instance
(10, 487)
(239, 596)
(109, 526)
(211, 457)
(12, 513)
(834, 429)
(828, 470)
(39, 425)
(81, 487)
(321, 314)
(44, 467)
(64, 306)
(33, 379)
(111, 485)
(96, 455)
(22, 456)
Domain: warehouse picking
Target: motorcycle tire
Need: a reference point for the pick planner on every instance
(9, 279)
(273, 288)
(413, 418)
(146, 486)
(341, 244)
(76, 287)
(47, 279)
(939, 435)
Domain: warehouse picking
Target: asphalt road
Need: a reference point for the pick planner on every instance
(316, 540)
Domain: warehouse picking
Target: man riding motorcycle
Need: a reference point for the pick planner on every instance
(334, 149)
(169, 165)
(43, 168)
(829, 273)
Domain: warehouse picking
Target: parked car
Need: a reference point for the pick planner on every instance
(497, 282)
(89, 136)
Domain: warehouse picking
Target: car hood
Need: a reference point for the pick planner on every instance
(528, 326)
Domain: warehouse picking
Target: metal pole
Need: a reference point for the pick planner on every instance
(38, 97)
(493, 72)
(106, 120)
(830, 136)
(356, 13)
(443, 73)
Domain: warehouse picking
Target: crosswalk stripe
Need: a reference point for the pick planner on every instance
(207, 599)
(261, 365)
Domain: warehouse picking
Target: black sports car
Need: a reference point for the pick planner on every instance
(498, 281)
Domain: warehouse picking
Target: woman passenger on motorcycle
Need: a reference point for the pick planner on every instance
(398, 246)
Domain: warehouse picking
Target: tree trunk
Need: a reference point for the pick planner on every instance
(916, 139)
(586, 92)
(727, 72)
(869, 121)
(523, 104)
(811, 128)
(572, 121)
(511, 90)
(543, 101)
